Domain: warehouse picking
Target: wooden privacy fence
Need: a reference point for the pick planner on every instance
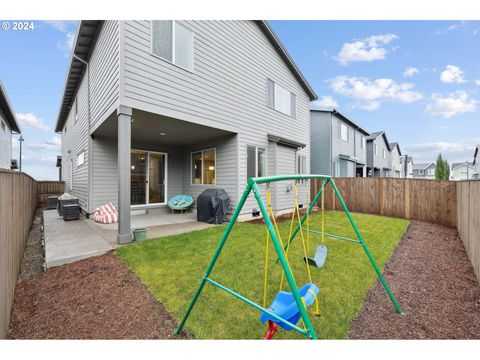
(20, 195)
(47, 188)
(468, 220)
(18, 198)
(415, 199)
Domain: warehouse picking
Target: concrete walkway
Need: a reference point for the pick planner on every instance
(69, 241)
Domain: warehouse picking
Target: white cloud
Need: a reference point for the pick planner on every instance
(371, 93)
(60, 25)
(410, 71)
(452, 74)
(30, 120)
(477, 82)
(452, 27)
(453, 151)
(325, 102)
(53, 144)
(368, 49)
(65, 45)
(455, 103)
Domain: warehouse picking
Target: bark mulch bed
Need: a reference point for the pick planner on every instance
(435, 285)
(96, 298)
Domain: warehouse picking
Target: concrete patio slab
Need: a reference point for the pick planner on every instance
(69, 241)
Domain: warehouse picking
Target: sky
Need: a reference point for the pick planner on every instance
(418, 81)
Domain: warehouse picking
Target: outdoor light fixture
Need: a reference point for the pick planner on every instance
(133, 167)
(211, 168)
(163, 134)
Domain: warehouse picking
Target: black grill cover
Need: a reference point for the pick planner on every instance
(212, 206)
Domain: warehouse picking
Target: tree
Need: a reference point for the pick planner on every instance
(442, 169)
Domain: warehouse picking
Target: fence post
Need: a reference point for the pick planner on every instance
(380, 196)
(407, 198)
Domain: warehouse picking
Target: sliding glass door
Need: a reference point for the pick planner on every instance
(148, 178)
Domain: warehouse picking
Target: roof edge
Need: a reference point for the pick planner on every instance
(11, 117)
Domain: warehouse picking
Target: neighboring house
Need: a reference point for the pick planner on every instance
(406, 162)
(8, 125)
(338, 146)
(462, 171)
(378, 155)
(476, 163)
(395, 163)
(152, 109)
(424, 171)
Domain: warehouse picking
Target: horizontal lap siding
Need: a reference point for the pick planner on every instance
(105, 172)
(320, 143)
(104, 96)
(232, 61)
(5, 144)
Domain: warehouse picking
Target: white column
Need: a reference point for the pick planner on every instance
(124, 115)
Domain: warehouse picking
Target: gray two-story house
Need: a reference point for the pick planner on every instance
(338, 146)
(395, 155)
(152, 109)
(424, 171)
(8, 126)
(378, 155)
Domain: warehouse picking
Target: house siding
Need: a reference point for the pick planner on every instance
(226, 90)
(320, 143)
(5, 144)
(378, 161)
(395, 165)
(104, 95)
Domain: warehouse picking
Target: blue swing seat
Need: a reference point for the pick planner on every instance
(284, 305)
(319, 258)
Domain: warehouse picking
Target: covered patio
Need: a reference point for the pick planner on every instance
(143, 159)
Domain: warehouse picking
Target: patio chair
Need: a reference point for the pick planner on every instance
(180, 203)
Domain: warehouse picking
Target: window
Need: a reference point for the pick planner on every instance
(343, 133)
(81, 158)
(281, 99)
(384, 153)
(76, 110)
(302, 165)
(376, 149)
(203, 167)
(421, 172)
(256, 162)
(431, 172)
(173, 42)
(363, 142)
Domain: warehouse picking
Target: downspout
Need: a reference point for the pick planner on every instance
(90, 142)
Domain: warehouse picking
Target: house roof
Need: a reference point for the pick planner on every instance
(421, 166)
(392, 146)
(84, 43)
(8, 110)
(376, 134)
(455, 165)
(475, 153)
(344, 118)
(85, 39)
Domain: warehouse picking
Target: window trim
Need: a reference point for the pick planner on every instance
(384, 154)
(173, 47)
(340, 132)
(191, 167)
(256, 158)
(293, 112)
(299, 171)
(375, 149)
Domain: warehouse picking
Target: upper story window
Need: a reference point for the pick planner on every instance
(431, 172)
(376, 149)
(384, 153)
(256, 162)
(363, 142)
(81, 159)
(75, 109)
(203, 167)
(281, 99)
(173, 42)
(343, 133)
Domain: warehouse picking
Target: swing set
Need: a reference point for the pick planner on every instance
(288, 307)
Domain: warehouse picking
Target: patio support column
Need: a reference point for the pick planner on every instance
(124, 115)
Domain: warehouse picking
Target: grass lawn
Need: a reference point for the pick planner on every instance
(172, 268)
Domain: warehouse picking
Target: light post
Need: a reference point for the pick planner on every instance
(20, 140)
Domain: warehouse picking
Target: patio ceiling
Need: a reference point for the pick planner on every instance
(152, 128)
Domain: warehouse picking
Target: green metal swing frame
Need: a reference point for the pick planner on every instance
(252, 186)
